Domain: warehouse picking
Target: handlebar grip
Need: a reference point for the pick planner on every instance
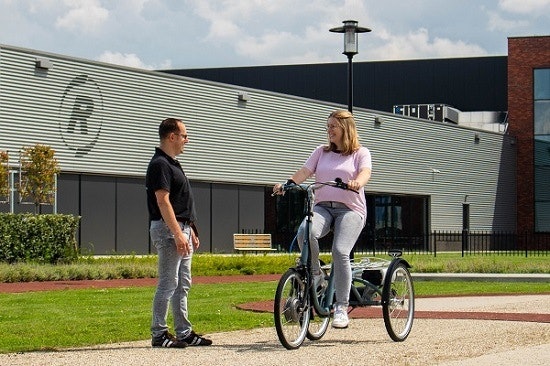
(285, 187)
(288, 185)
(340, 184)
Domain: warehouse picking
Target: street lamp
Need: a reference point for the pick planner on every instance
(351, 31)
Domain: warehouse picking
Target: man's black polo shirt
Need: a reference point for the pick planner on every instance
(166, 173)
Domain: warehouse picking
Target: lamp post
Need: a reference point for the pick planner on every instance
(351, 31)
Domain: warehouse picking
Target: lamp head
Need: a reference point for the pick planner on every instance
(351, 31)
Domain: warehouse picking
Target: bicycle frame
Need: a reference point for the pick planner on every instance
(375, 282)
(322, 308)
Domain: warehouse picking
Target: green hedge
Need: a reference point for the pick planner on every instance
(38, 238)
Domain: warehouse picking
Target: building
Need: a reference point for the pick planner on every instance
(529, 113)
(468, 84)
(102, 120)
(514, 89)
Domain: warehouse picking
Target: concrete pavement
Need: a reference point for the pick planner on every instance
(484, 277)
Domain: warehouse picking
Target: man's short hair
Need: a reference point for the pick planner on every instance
(168, 126)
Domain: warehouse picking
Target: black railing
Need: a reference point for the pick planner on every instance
(465, 242)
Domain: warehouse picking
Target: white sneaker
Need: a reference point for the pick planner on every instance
(341, 319)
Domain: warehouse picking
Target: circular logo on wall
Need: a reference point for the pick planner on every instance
(80, 115)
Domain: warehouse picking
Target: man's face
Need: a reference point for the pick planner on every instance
(180, 138)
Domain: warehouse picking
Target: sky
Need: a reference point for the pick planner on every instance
(188, 34)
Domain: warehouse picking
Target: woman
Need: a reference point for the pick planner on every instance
(342, 210)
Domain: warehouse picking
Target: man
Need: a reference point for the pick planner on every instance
(174, 234)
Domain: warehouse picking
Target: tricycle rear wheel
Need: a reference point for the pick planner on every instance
(398, 300)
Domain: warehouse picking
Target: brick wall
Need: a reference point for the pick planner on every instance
(524, 55)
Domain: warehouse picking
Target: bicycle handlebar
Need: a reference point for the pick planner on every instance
(337, 182)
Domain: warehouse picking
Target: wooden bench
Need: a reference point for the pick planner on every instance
(252, 242)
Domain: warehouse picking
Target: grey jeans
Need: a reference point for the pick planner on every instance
(347, 226)
(174, 281)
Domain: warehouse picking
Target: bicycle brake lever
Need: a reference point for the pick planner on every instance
(343, 185)
(340, 184)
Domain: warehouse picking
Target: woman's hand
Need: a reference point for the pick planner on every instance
(354, 185)
(278, 189)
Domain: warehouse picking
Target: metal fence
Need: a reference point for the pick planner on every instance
(465, 242)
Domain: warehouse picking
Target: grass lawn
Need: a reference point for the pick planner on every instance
(70, 318)
(109, 267)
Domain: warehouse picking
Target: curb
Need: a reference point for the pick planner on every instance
(17, 287)
(482, 277)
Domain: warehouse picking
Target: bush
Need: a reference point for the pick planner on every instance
(38, 238)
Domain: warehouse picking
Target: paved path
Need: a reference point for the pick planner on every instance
(444, 341)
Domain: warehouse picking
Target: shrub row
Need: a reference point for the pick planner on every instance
(34, 238)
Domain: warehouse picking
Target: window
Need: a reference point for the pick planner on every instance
(400, 221)
(542, 149)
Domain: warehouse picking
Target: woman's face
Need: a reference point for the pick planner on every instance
(334, 131)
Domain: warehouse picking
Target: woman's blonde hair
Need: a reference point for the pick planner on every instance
(350, 138)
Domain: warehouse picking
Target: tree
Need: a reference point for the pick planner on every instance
(38, 175)
(4, 175)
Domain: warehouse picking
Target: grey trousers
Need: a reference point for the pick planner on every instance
(174, 281)
(347, 226)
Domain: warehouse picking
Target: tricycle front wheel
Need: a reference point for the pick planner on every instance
(291, 310)
(318, 324)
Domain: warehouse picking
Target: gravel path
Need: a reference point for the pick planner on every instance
(445, 342)
(432, 342)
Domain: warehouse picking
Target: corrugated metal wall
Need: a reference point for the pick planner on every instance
(257, 142)
(230, 140)
(449, 164)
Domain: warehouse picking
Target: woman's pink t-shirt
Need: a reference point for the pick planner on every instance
(328, 165)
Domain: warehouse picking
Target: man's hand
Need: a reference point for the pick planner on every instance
(182, 243)
(195, 239)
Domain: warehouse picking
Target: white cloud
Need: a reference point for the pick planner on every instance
(224, 33)
(531, 7)
(267, 32)
(417, 44)
(498, 23)
(222, 29)
(84, 16)
(131, 60)
(38, 6)
(281, 48)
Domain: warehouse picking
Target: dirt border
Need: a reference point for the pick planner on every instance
(374, 312)
(17, 287)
